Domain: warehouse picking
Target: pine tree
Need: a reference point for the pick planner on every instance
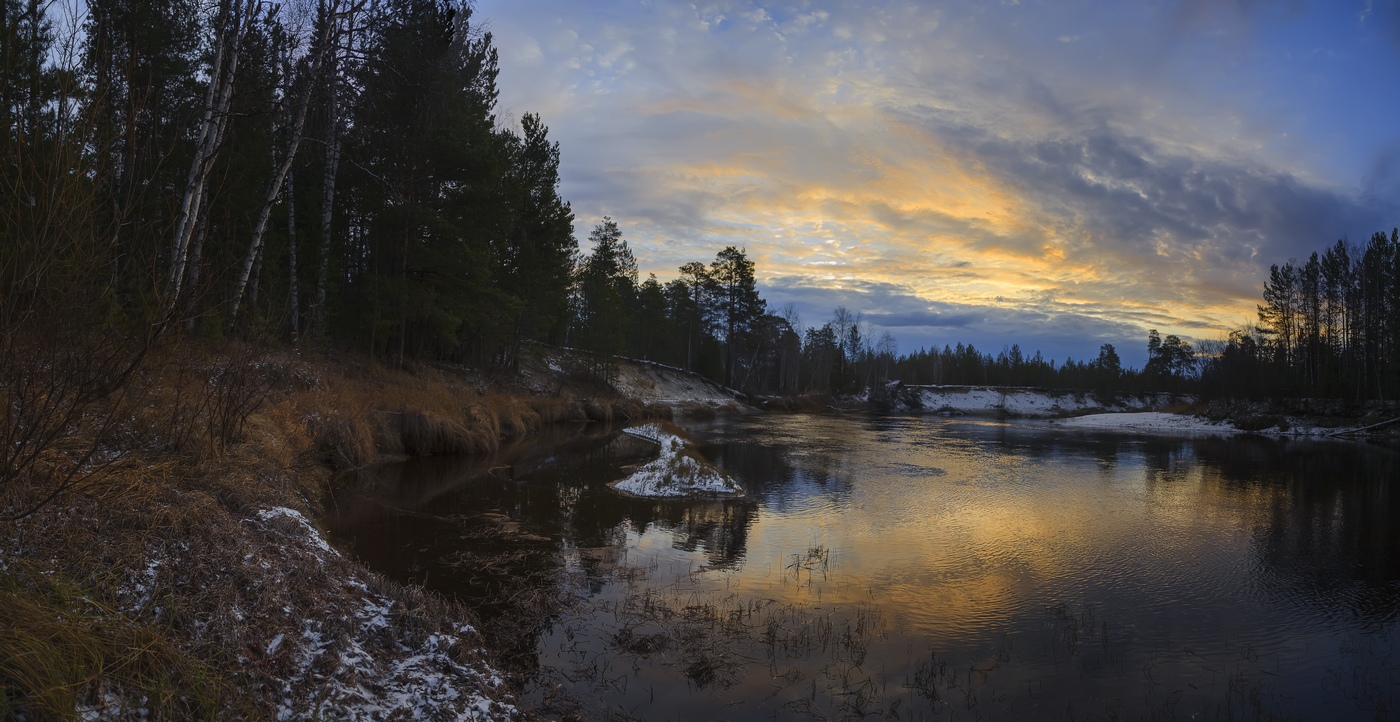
(738, 304)
(536, 258)
(607, 279)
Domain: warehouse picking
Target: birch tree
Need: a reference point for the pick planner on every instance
(230, 28)
(323, 48)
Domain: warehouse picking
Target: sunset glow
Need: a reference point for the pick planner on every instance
(1050, 174)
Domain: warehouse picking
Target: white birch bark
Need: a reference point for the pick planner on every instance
(328, 197)
(293, 293)
(274, 190)
(236, 16)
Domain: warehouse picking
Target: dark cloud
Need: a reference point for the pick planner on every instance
(1135, 201)
(1199, 14)
(1382, 182)
(929, 319)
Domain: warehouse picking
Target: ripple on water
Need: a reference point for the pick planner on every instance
(1009, 568)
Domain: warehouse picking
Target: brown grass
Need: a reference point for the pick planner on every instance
(204, 440)
(63, 649)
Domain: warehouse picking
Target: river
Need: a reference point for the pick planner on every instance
(916, 568)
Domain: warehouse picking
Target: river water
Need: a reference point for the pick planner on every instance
(917, 568)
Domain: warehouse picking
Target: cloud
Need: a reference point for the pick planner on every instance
(964, 168)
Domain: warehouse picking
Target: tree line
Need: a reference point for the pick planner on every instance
(1327, 327)
(711, 319)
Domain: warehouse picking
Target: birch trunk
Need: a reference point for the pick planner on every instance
(292, 300)
(275, 189)
(201, 229)
(236, 16)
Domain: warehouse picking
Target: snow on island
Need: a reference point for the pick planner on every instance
(678, 471)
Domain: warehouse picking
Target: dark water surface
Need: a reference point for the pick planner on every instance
(918, 568)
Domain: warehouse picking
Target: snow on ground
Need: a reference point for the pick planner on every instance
(992, 400)
(315, 536)
(674, 473)
(1150, 422)
(655, 383)
(1156, 422)
(340, 666)
(646, 381)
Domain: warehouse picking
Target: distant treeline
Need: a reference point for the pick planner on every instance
(1169, 368)
(1327, 328)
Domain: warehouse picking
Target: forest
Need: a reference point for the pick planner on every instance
(335, 175)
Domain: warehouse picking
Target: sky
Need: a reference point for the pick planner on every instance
(1056, 175)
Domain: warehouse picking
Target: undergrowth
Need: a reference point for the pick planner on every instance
(135, 576)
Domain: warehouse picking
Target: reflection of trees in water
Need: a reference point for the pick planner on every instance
(1329, 529)
(1326, 520)
(508, 533)
(720, 528)
(787, 472)
(1040, 443)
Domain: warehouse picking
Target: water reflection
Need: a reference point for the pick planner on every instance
(1021, 567)
(504, 531)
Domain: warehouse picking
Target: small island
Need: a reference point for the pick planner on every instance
(678, 471)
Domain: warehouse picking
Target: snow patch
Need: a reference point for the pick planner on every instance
(312, 534)
(141, 589)
(674, 473)
(112, 707)
(1153, 422)
(1028, 402)
(423, 681)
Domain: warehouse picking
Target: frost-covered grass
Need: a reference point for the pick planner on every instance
(356, 662)
(677, 471)
(191, 580)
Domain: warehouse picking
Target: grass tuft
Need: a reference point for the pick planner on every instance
(65, 652)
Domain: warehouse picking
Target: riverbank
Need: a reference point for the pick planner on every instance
(186, 575)
(1152, 413)
(1025, 402)
(1295, 418)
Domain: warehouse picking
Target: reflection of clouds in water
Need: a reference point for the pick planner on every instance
(958, 530)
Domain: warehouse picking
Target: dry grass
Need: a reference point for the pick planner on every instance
(356, 419)
(64, 650)
(155, 585)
